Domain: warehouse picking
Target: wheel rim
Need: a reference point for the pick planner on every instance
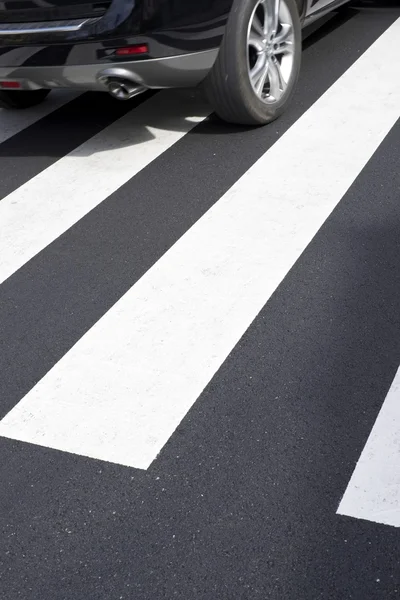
(270, 49)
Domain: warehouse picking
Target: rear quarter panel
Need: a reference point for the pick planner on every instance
(171, 14)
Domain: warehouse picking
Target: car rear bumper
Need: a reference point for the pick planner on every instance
(181, 43)
(186, 70)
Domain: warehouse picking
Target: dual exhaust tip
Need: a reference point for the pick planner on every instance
(120, 83)
(123, 89)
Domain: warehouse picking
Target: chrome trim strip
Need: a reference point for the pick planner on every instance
(50, 27)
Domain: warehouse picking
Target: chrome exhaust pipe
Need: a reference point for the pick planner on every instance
(123, 89)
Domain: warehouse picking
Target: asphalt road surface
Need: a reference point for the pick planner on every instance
(200, 339)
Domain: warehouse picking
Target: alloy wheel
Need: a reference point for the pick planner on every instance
(270, 49)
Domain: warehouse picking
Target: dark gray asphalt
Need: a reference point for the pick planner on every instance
(241, 504)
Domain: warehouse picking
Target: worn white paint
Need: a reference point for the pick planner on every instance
(41, 210)
(374, 489)
(121, 391)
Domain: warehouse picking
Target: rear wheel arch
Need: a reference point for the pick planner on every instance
(302, 6)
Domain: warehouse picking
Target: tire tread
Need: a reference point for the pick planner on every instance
(13, 99)
(224, 85)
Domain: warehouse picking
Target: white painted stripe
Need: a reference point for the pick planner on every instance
(46, 206)
(374, 489)
(13, 122)
(121, 391)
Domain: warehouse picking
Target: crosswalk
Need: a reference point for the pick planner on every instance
(88, 175)
(13, 123)
(119, 391)
(374, 489)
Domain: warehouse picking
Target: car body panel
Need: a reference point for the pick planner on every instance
(75, 52)
(318, 8)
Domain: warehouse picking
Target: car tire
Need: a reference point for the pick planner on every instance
(16, 99)
(229, 87)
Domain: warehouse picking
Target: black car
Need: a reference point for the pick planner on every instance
(246, 53)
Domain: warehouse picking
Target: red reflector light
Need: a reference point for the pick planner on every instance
(132, 50)
(10, 84)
